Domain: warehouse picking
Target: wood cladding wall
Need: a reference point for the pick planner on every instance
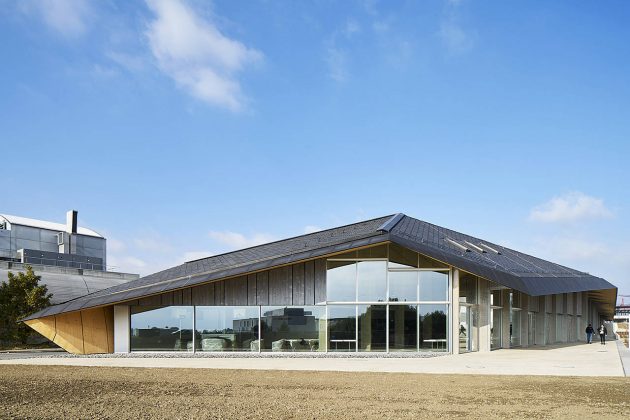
(84, 332)
(298, 284)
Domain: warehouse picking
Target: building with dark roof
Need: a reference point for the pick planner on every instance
(389, 284)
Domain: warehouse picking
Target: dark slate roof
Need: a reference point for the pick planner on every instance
(504, 266)
(233, 263)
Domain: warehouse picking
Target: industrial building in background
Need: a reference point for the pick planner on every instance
(71, 260)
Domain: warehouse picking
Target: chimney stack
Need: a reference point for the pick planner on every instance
(71, 221)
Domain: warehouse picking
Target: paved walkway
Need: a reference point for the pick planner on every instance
(624, 355)
(576, 360)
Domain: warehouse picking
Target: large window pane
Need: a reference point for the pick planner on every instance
(293, 328)
(433, 286)
(403, 328)
(341, 281)
(342, 328)
(372, 277)
(227, 328)
(403, 286)
(433, 322)
(161, 329)
(372, 327)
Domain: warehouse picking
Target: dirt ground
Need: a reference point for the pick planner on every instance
(126, 393)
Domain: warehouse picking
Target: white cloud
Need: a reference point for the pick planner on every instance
(311, 229)
(235, 240)
(570, 207)
(130, 62)
(454, 37)
(572, 249)
(337, 64)
(114, 245)
(195, 255)
(67, 17)
(126, 264)
(352, 27)
(196, 55)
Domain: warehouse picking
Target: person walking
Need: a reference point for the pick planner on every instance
(589, 333)
(602, 334)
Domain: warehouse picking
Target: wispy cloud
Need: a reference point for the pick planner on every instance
(311, 229)
(337, 64)
(67, 17)
(196, 55)
(235, 240)
(195, 255)
(570, 207)
(454, 36)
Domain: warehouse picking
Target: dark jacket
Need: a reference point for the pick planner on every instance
(589, 330)
(605, 331)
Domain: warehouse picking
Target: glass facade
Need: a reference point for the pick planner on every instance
(342, 328)
(433, 327)
(286, 328)
(341, 279)
(401, 301)
(226, 328)
(403, 327)
(382, 298)
(372, 329)
(161, 328)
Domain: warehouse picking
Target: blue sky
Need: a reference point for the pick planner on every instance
(180, 129)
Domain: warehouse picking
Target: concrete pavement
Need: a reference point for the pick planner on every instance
(575, 360)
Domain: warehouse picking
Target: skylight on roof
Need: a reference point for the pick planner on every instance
(475, 247)
(488, 247)
(457, 244)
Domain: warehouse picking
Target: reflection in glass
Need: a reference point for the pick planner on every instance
(341, 281)
(403, 328)
(403, 286)
(372, 277)
(372, 327)
(495, 328)
(293, 328)
(433, 324)
(515, 328)
(161, 329)
(342, 328)
(464, 329)
(226, 328)
(433, 286)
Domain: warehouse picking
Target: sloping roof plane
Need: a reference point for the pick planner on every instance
(506, 267)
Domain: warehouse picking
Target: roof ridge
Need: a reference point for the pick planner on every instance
(391, 223)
